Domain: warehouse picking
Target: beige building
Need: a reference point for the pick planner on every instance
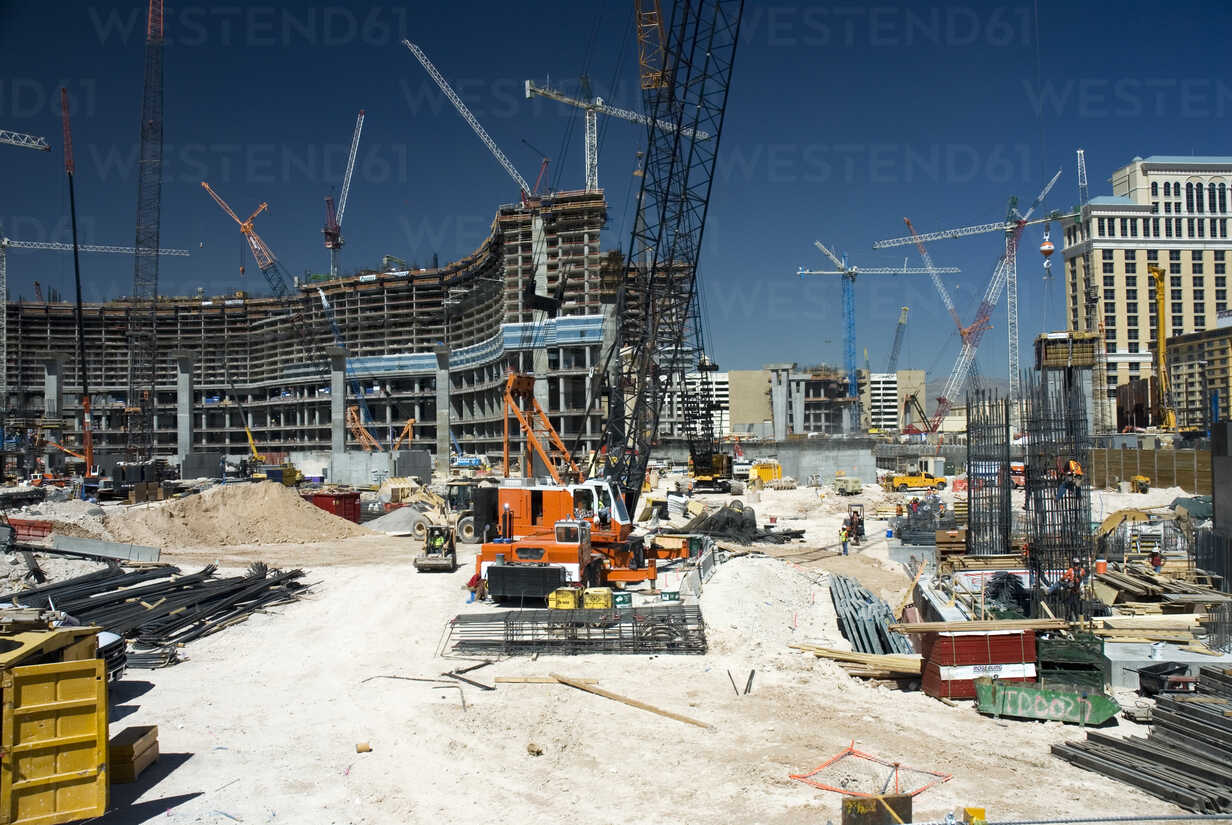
(749, 403)
(1170, 211)
(1199, 374)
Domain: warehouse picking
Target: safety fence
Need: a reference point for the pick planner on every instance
(1188, 469)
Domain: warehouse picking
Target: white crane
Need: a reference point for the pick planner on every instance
(5, 243)
(593, 108)
(28, 141)
(500, 156)
(333, 219)
(1006, 273)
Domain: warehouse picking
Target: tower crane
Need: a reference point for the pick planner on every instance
(1005, 276)
(501, 157)
(305, 333)
(28, 141)
(849, 273)
(593, 107)
(142, 334)
(897, 346)
(333, 219)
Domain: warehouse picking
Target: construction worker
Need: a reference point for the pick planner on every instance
(1157, 561)
(1071, 478)
(843, 537)
(1071, 584)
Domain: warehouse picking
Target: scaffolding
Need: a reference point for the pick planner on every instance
(1058, 495)
(988, 474)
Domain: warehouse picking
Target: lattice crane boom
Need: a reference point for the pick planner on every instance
(1084, 192)
(350, 167)
(482, 133)
(897, 347)
(28, 141)
(266, 260)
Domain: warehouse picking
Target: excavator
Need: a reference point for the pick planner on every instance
(255, 467)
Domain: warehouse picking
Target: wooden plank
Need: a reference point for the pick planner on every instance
(536, 680)
(995, 624)
(898, 663)
(616, 697)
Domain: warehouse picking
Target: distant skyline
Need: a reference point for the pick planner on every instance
(842, 120)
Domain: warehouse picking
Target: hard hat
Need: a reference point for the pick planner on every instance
(1076, 560)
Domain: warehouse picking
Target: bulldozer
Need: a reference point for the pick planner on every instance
(454, 509)
(440, 550)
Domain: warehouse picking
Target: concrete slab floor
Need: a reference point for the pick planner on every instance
(1122, 660)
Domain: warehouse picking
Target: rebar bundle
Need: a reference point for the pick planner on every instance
(660, 629)
(988, 474)
(1058, 496)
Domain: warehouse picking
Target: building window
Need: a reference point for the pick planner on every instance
(1223, 227)
(1176, 282)
(1167, 207)
(1133, 346)
(1131, 294)
(1196, 267)
(1189, 200)
(1152, 255)
(1191, 227)
(1109, 280)
(1223, 197)
(1201, 228)
(1220, 269)
(1103, 231)
(1133, 227)
(1109, 267)
(1155, 189)
(1155, 227)
(1177, 295)
(1131, 307)
(1211, 200)
(1167, 189)
(1199, 322)
(1154, 207)
(1131, 266)
(1199, 296)
(1133, 367)
(1178, 322)
(1221, 306)
(1221, 295)
(1132, 334)
(1168, 228)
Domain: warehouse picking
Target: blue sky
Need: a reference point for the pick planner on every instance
(843, 118)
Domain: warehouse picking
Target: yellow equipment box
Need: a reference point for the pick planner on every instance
(564, 598)
(597, 598)
(766, 470)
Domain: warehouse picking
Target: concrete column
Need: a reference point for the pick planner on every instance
(539, 356)
(442, 411)
(183, 402)
(779, 378)
(337, 402)
(53, 402)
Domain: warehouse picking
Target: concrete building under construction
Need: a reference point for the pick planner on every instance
(481, 309)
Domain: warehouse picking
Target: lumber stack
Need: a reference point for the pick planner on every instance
(952, 542)
(954, 660)
(1139, 583)
(886, 666)
(1186, 759)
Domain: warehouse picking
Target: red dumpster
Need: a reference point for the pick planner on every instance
(341, 504)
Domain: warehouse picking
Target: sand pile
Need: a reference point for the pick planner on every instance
(263, 513)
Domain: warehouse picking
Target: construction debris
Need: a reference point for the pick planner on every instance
(589, 688)
(1187, 756)
(739, 524)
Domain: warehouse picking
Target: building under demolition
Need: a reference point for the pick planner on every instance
(482, 309)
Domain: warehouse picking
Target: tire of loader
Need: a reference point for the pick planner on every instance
(466, 531)
(419, 527)
(737, 488)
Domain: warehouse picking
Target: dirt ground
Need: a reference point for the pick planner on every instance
(260, 724)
